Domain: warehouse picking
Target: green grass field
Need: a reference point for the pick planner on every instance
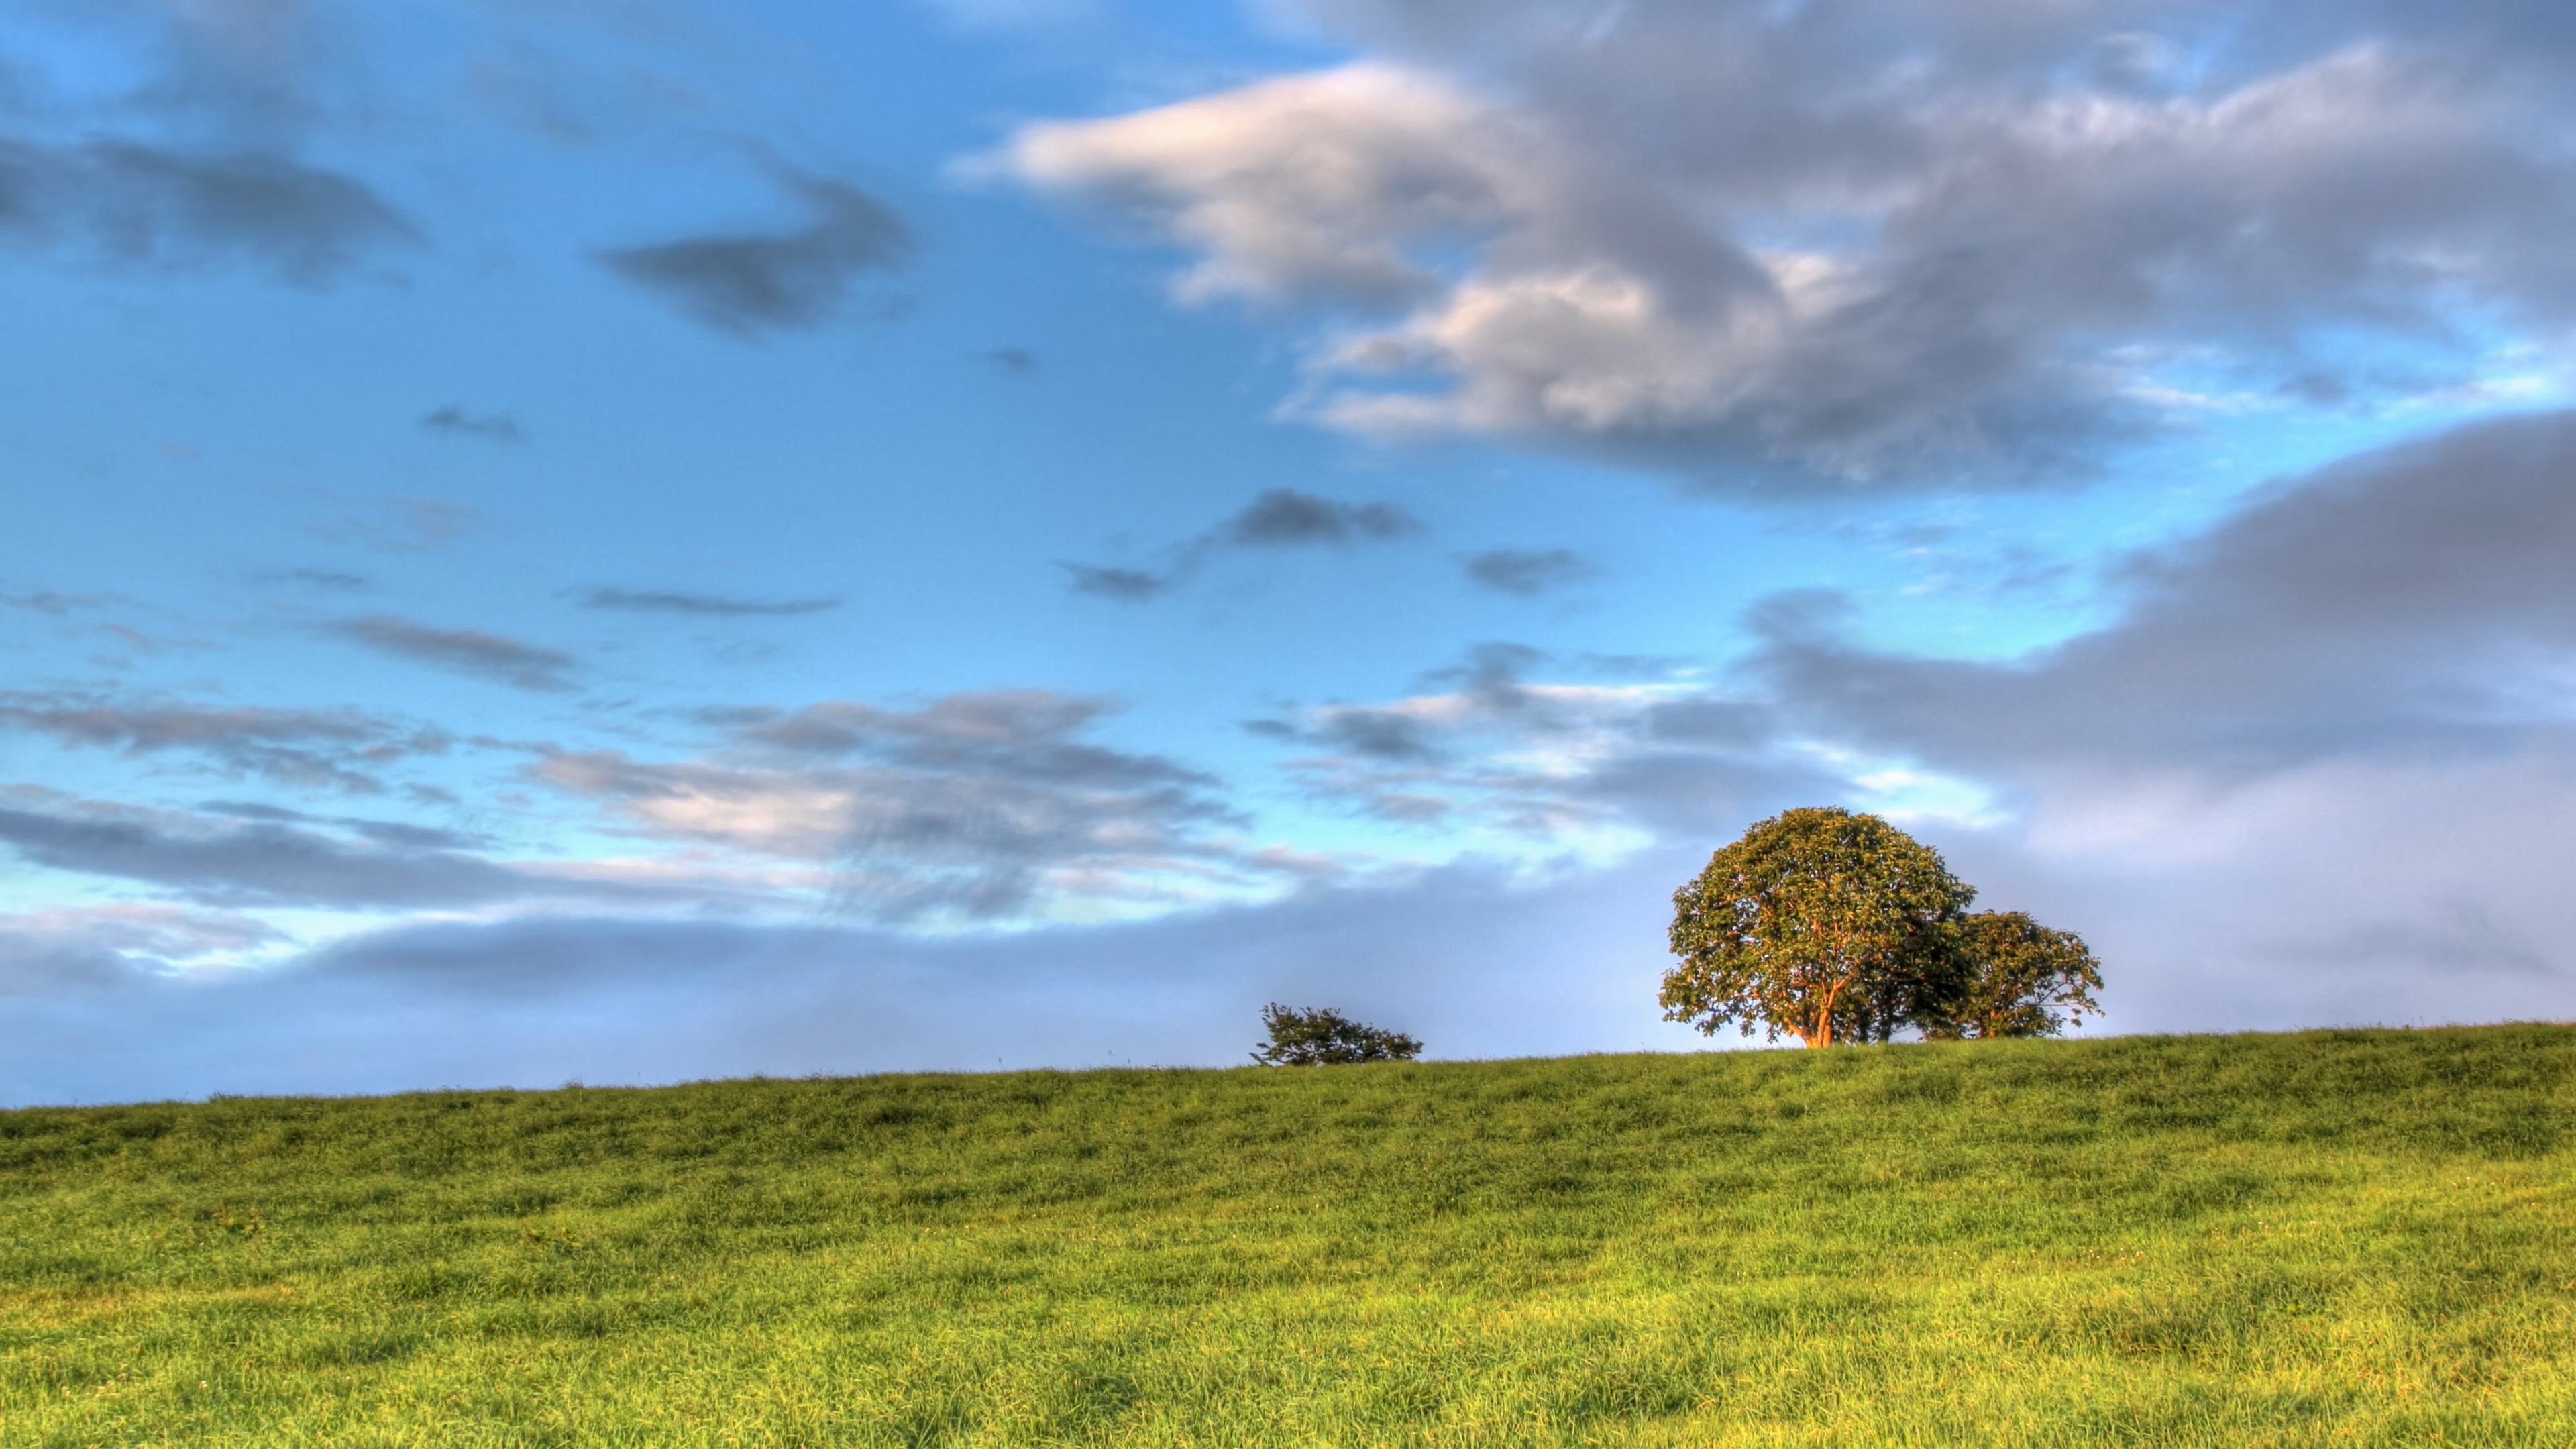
(2329, 1239)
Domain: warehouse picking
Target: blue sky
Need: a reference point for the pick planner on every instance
(633, 539)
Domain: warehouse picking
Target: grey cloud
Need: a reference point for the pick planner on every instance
(2318, 767)
(1421, 733)
(463, 651)
(409, 837)
(715, 606)
(1375, 734)
(332, 749)
(126, 203)
(1725, 723)
(2378, 890)
(395, 833)
(1380, 736)
(1631, 666)
(2325, 745)
(1278, 518)
(1127, 586)
(193, 152)
(143, 934)
(264, 864)
(1285, 518)
(570, 100)
(1700, 792)
(2408, 609)
(2346, 801)
(1528, 572)
(2400, 858)
(1993, 245)
(1494, 740)
(1479, 964)
(1492, 675)
(753, 283)
(975, 807)
(247, 67)
(2459, 934)
(2319, 764)
(1005, 723)
(2413, 598)
(40, 966)
(47, 601)
(1032, 737)
(2318, 389)
(455, 421)
(335, 580)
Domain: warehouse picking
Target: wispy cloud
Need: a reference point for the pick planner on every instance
(1483, 964)
(400, 833)
(750, 284)
(976, 808)
(331, 749)
(157, 930)
(131, 204)
(714, 606)
(1285, 518)
(48, 601)
(338, 581)
(259, 863)
(1494, 745)
(1528, 572)
(1127, 586)
(1279, 518)
(454, 421)
(463, 651)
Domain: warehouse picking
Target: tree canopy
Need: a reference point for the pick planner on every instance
(1821, 923)
(1320, 1036)
(2022, 979)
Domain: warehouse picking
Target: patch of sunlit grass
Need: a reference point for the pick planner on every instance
(2321, 1239)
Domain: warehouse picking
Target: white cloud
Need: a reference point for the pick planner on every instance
(1767, 251)
(1308, 185)
(976, 809)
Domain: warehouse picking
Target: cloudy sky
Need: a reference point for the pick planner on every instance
(630, 540)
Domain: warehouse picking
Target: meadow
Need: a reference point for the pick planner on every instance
(2334, 1238)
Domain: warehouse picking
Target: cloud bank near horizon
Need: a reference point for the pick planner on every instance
(2312, 772)
(487, 680)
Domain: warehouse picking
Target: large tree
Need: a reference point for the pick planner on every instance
(1821, 923)
(2020, 979)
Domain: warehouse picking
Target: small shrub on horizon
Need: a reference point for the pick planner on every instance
(1320, 1036)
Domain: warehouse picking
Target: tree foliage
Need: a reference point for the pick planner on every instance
(1821, 923)
(1320, 1036)
(1832, 926)
(2020, 979)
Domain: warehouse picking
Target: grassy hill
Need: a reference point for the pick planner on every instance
(2330, 1239)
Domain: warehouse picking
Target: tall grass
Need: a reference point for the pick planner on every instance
(2320, 1239)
